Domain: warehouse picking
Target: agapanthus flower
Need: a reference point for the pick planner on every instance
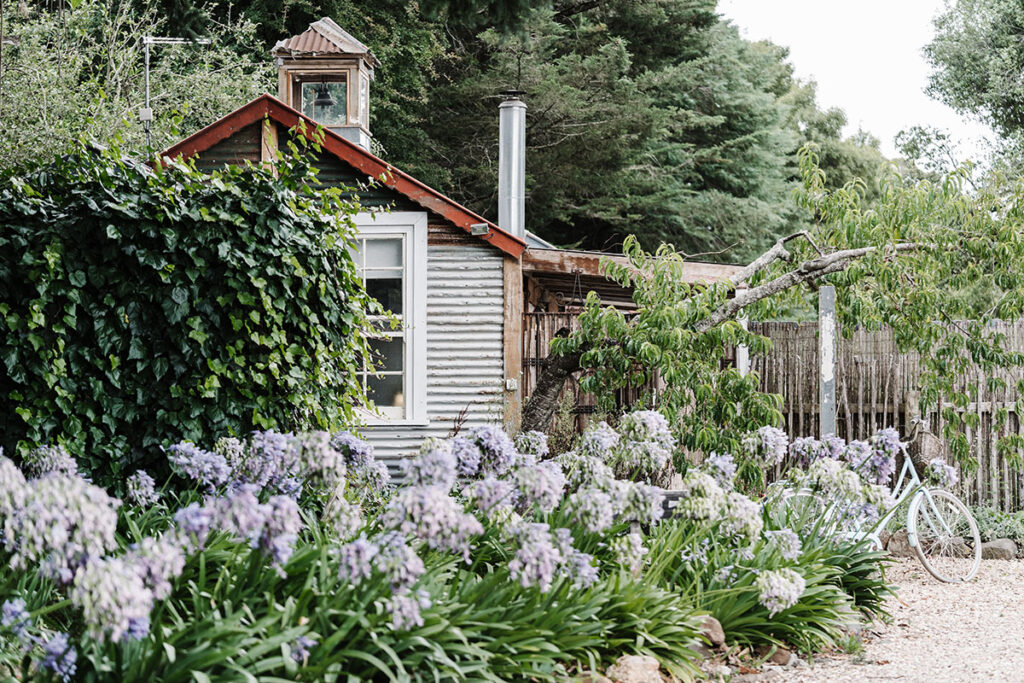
(598, 441)
(356, 559)
(281, 527)
(540, 485)
(497, 452)
(879, 496)
(785, 542)
(643, 458)
(702, 497)
(584, 470)
(142, 489)
(193, 522)
(344, 517)
(158, 561)
(768, 444)
(14, 617)
(62, 523)
(430, 514)
(643, 503)
(805, 449)
(490, 493)
(318, 461)
(435, 465)
(592, 509)
(46, 459)
(779, 589)
(301, 647)
(467, 456)
(941, 474)
(111, 594)
(697, 553)
(405, 608)
(12, 488)
(647, 425)
(874, 461)
(838, 483)
(533, 443)
(264, 462)
(538, 558)
(581, 569)
(629, 552)
(397, 560)
(204, 467)
(355, 451)
(59, 657)
(722, 467)
(741, 517)
(726, 574)
(240, 512)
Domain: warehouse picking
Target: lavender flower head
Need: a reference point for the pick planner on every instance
(540, 485)
(584, 470)
(435, 465)
(265, 462)
(397, 560)
(941, 474)
(158, 561)
(581, 570)
(598, 441)
(592, 509)
(46, 459)
(497, 452)
(430, 514)
(641, 503)
(835, 481)
(703, 497)
(193, 523)
(467, 456)
(741, 518)
(344, 517)
(767, 445)
(63, 522)
(722, 468)
(533, 443)
(779, 589)
(647, 425)
(240, 512)
(280, 531)
(59, 657)
(357, 453)
(405, 607)
(12, 488)
(643, 458)
(142, 489)
(14, 617)
(629, 552)
(785, 542)
(874, 461)
(490, 493)
(538, 559)
(206, 468)
(112, 596)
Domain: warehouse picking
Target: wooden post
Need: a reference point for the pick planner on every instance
(513, 342)
(827, 359)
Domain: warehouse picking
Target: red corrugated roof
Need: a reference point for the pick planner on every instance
(375, 168)
(309, 41)
(324, 37)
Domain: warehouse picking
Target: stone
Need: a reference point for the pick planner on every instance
(899, 545)
(635, 669)
(703, 651)
(999, 549)
(713, 631)
(781, 656)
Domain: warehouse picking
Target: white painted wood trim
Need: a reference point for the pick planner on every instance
(413, 225)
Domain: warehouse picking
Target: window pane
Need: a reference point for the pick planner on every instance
(384, 253)
(386, 391)
(328, 116)
(386, 287)
(389, 354)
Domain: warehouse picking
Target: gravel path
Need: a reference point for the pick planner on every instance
(939, 632)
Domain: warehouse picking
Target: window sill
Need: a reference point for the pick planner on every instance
(385, 422)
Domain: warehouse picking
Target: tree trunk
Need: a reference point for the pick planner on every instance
(544, 400)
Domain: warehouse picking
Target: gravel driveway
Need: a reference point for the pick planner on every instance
(939, 632)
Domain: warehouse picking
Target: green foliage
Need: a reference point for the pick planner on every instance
(995, 524)
(143, 307)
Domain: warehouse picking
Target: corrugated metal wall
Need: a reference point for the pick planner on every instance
(466, 369)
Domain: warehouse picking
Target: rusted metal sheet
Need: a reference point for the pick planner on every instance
(372, 167)
(589, 263)
(465, 349)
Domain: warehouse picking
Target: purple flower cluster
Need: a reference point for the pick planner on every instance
(741, 518)
(368, 477)
(59, 657)
(15, 618)
(47, 459)
(779, 589)
(641, 503)
(629, 552)
(874, 461)
(532, 443)
(193, 522)
(538, 559)
(273, 527)
(206, 468)
(113, 597)
(598, 441)
(158, 561)
(584, 470)
(12, 488)
(497, 452)
(592, 509)
(62, 521)
(768, 445)
(467, 456)
(490, 493)
(647, 425)
(785, 542)
(346, 518)
(391, 555)
(430, 514)
(301, 648)
(702, 497)
(722, 468)
(436, 465)
(356, 560)
(941, 474)
(142, 489)
(540, 485)
(405, 608)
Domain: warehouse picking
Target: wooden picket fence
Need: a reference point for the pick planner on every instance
(876, 387)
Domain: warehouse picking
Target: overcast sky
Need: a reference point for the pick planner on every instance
(866, 57)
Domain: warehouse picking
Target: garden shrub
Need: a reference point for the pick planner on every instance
(139, 307)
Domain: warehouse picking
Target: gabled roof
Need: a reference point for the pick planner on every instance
(324, 37)
(376, 169)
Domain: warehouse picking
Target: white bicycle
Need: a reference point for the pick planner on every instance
(940, 528)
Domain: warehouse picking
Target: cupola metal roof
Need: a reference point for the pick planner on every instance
(324, 38)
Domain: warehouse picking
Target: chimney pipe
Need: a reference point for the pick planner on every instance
(512, 164)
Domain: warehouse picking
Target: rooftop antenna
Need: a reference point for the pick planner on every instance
(146, 114)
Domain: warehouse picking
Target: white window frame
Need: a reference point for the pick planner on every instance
(412, 225)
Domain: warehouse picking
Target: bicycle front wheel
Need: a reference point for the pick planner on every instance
(948, 542)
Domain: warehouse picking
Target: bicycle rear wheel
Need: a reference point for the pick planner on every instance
(948, 542)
